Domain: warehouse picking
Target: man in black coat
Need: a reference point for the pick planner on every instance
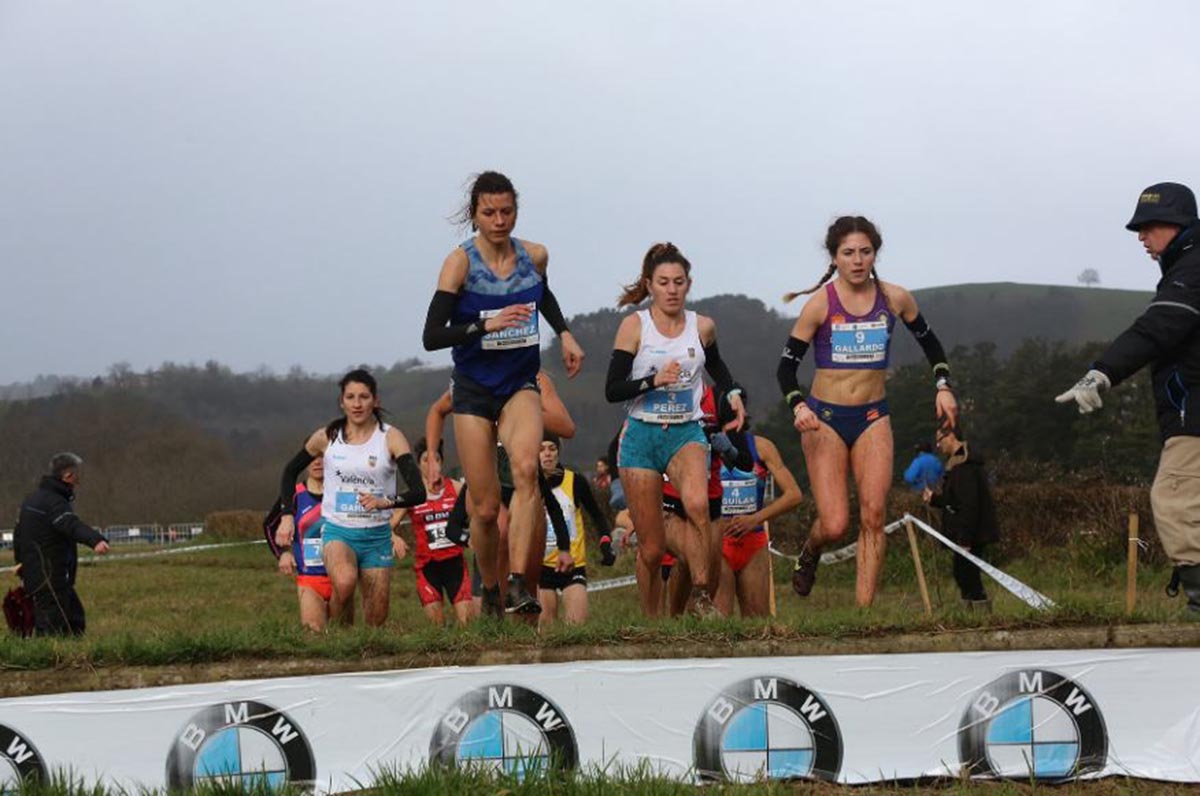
(44, 543)
(968, 513)
(1166, 337)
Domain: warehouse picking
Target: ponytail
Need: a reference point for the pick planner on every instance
(633, 293)
(789, 297)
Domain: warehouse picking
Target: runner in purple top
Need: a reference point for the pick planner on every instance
(844, 424)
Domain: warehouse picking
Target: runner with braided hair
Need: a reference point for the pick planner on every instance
(843, 424)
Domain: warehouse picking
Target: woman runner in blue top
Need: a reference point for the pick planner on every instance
(489, 293)
(844, 423)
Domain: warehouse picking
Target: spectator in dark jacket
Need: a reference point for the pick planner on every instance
(968, 513)
(44, 543)
(1167, 338)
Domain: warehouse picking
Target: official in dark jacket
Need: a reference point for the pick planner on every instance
(44, 543)
(1167, 338)
(968, 513)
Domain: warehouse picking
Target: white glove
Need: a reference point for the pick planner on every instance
(1086, 392)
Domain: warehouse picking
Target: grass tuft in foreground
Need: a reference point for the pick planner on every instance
(615, 781)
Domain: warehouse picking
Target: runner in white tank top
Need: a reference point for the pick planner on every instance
(656, 362)
(672, 403)
(352, 470)
(362, 457)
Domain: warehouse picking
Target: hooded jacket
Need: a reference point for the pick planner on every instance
(1167, 337)
(968, 511)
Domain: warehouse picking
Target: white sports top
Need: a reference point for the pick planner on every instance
(351, 469)
(674, 403)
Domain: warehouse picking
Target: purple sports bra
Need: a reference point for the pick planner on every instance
(854, 342)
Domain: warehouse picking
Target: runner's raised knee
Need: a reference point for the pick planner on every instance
(834, 528)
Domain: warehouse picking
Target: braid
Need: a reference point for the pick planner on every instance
(788, 297)
(879, 286)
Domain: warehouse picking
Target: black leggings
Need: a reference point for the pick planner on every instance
(968, 576)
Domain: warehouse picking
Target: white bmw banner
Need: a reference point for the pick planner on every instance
(1047, 715)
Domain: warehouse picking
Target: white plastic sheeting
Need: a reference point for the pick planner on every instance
(851, 719)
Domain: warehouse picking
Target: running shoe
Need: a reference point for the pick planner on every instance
(805, 573)
(520, 601)
(492, 607)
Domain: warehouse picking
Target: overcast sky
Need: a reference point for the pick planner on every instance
(268, 183)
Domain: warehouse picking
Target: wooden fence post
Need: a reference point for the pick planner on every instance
(916, 554)
(1131, 565)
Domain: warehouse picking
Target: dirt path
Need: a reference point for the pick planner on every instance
(16, 682)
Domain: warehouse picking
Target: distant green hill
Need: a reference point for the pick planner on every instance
(175, 442)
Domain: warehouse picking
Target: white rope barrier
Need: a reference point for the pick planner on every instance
(1026, 594)
(94, 559)
(842, 553)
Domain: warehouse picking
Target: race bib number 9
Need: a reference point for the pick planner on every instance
(739, 496)
(515, 337)
(861, 343)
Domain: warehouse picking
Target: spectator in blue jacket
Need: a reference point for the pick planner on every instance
(925, 471)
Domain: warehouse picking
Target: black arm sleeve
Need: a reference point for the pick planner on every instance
(438, 331)
(552, 312)
(1169, 320)
(413, 493)
(287, 483)
(618, 386)
(587, 502)
(717, 368)
(458, 522)
(270, 524)
(558, 522)
(785, 374)
(929, 344)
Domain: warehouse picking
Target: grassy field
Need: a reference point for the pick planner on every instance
(230, 604)
(635, 782)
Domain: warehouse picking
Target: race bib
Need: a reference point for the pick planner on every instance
(311, 548)
(739, 495)
(669, 405)
(516, 337)
(551, 539)
(435, 534)
(860, 343)
(346, 504)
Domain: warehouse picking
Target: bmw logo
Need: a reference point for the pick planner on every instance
(505, 728)
(767, 727)
(1033, 723)
(241, 743)
(20, 762)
